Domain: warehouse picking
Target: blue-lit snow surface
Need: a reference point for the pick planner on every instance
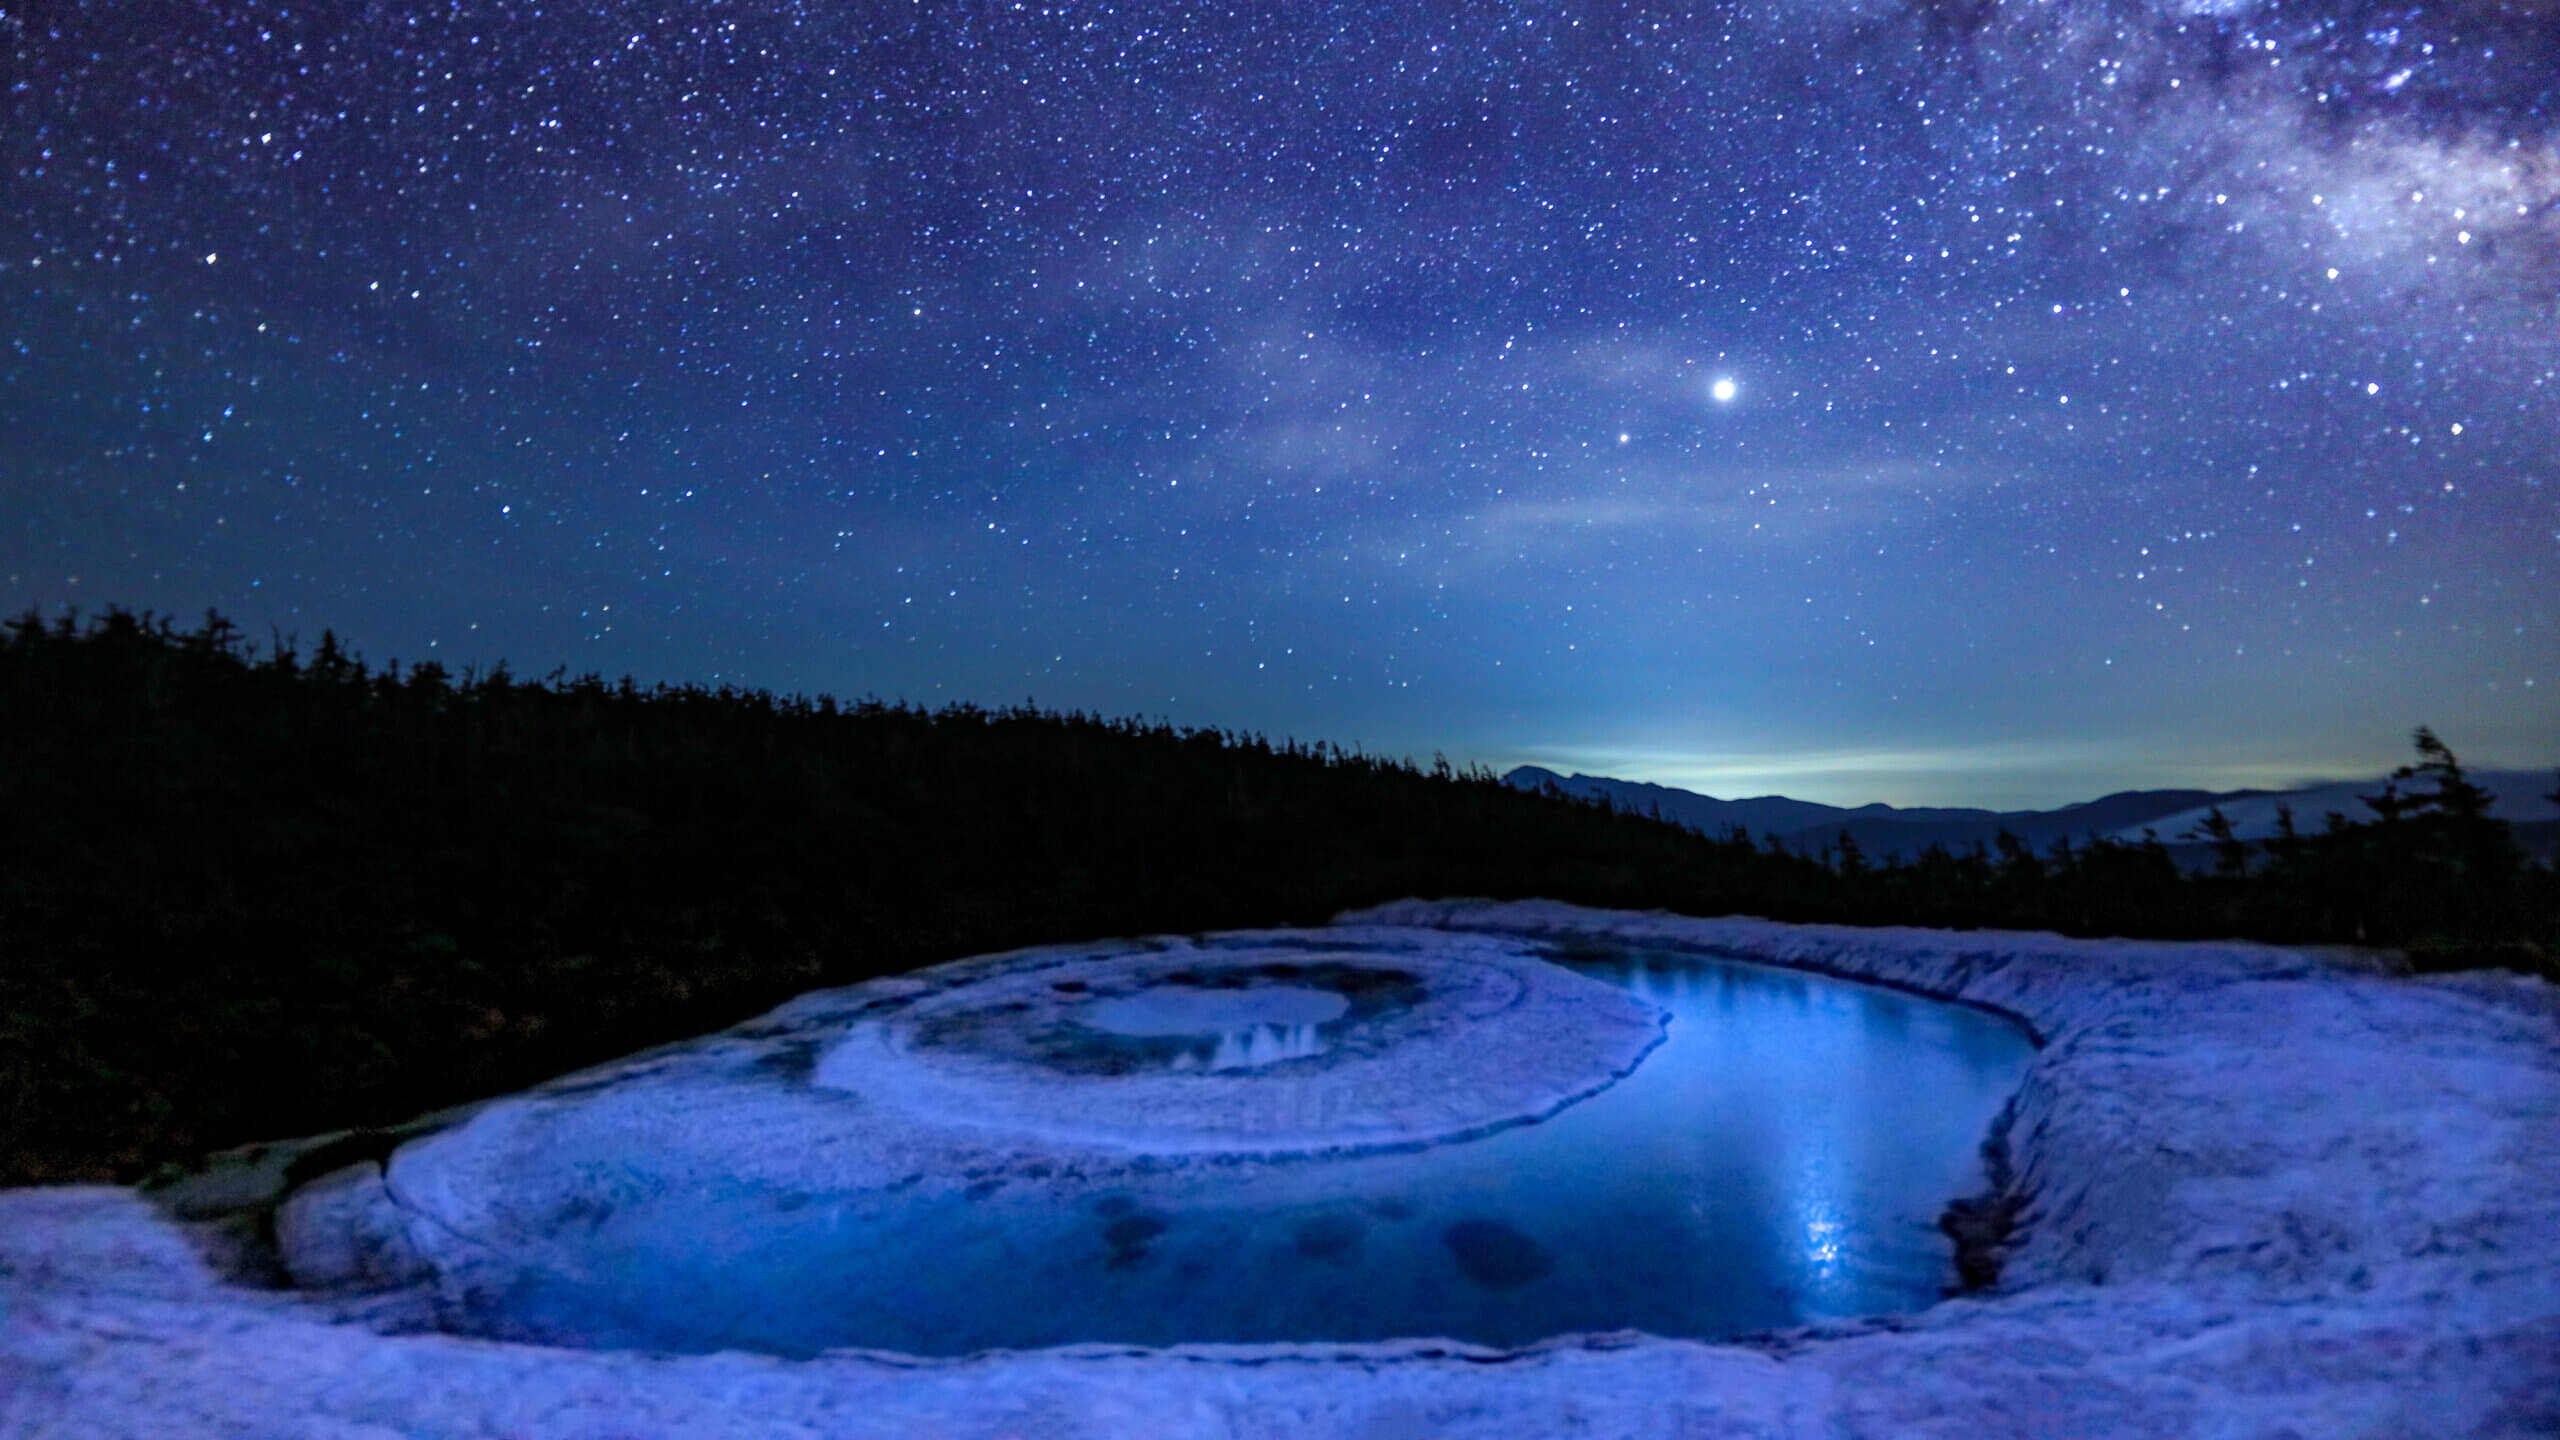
(1782, 1156)
(2266, 1192)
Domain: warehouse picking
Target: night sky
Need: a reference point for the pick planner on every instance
(1966, 401)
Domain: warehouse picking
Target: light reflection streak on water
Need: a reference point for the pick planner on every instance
(1258, 1045)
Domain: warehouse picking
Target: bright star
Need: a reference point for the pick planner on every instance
(1723, 390)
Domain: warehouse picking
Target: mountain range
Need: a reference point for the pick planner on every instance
(1882, 830)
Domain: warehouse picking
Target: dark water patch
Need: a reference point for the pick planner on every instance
(1127, 1238)
(1495, 1255)
(1132, 1230)
(1332, 1239)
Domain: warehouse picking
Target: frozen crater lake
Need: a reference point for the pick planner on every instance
(1443, 1169)
(1257, 1137)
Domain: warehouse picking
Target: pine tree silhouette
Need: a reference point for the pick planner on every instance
(1853, 857)
(2230, 853)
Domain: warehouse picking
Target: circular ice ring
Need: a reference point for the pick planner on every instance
(1421, 1049)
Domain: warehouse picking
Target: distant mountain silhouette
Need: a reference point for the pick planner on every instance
(1761, 815)
(1886, 830)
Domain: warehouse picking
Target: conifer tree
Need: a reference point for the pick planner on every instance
(1853, 857)
(2230, 854)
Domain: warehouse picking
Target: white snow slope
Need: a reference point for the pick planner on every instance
(2269, 1195)
(2520, 797)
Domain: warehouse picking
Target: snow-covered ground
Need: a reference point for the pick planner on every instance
(2266, 1194)
(2519, 797)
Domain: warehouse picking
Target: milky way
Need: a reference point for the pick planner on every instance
(1964, 401)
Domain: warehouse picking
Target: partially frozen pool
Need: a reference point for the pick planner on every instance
(1781, 1154)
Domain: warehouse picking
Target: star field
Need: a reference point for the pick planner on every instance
(1965, 402)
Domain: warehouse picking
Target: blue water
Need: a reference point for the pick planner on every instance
(1782, 1157)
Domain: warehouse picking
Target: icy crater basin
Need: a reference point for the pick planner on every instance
(1251, 1139)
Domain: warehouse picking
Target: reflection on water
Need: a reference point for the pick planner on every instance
(1783, 1156)
(1260, 1045)
(1237, 1029)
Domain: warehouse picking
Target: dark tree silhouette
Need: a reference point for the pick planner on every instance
(2230, 852)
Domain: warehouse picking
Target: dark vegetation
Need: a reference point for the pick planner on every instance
(252, 893)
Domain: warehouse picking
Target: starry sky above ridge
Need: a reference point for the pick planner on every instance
(1969, 402)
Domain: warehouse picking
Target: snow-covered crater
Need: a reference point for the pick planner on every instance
(2257, 1193)
(1171, 1049)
